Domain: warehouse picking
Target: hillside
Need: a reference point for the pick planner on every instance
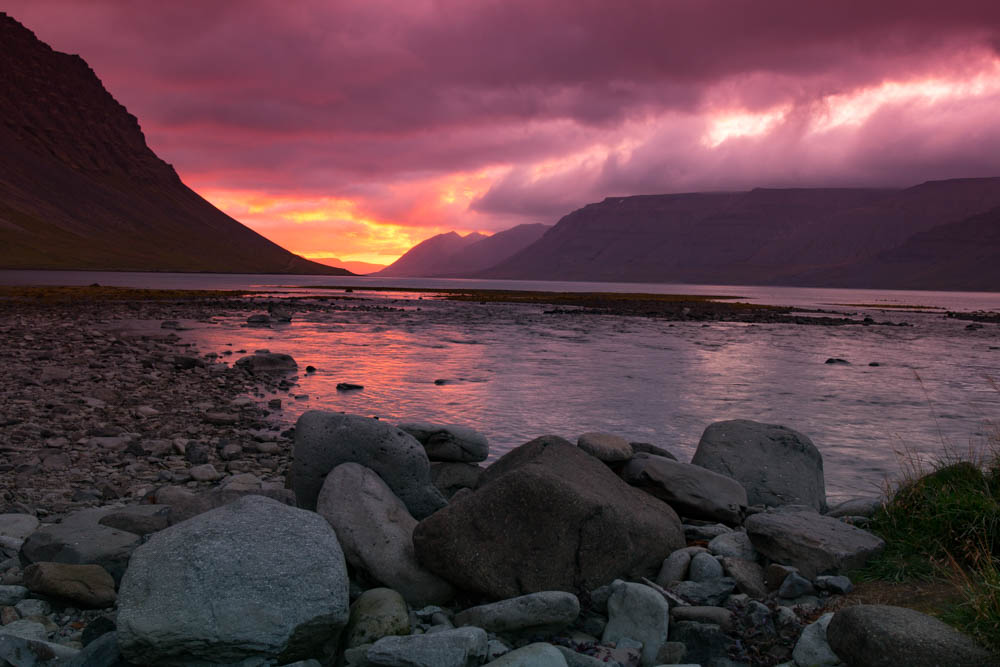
(801, 236)
(80, 189)
(430, 257)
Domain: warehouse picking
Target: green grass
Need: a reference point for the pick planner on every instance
(944, 525)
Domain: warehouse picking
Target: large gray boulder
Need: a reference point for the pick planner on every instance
(376, 533)
(547, 516)
(868, 635)
(461, 647)
(449, 442)
(324, 440)
(776, 465)
(546, 611)
(693, 491)
(813, 543)
(82, 540)
(253, 578)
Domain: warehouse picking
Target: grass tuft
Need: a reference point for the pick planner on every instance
(944, 526)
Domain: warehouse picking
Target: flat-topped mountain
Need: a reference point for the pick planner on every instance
(805, 236)
(80, 189)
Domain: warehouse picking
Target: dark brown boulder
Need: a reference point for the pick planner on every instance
(547, 516)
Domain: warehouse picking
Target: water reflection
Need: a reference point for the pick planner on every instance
(515, 373)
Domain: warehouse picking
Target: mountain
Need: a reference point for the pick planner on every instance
(359, 268)
(430, 257)
(802, 236)
(963, 255)
(490, 251)
(80, 189)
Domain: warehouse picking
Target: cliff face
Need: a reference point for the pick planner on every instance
(80, 189)
(820, 237)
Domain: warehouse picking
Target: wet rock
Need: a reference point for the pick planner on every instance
(450, 477)
(605, 446)
(776, 465)
(748, 575)
(349, 386)
(379, 612)
(29, 652)
(324, 440)
(18, 526)
(376, 533)
(637, 612)
(705, 593)
(81, 539)
(795, 586)
(720, 616)
(538, 654)
(256, 579)
(837, 361)
(542, 612)
(813, 543)
(812, 648)
(547, 497)
(736, 544)
(267, 363)
(704, 567)
(885, 636)
(86, 585)
(856, 507)
(461, 647)
(693, 491)
(449, 442)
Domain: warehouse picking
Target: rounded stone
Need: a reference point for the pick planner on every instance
(605, 446)
(379, 612)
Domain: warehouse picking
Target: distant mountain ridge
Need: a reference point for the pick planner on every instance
(453, 256)
(80, 189)
(802, 236)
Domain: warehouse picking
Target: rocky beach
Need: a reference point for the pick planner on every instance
(157, 508)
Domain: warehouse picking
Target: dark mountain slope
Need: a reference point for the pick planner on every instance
(490, 251)
(430, 257)
(80, 189)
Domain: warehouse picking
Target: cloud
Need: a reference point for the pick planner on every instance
(542, 105)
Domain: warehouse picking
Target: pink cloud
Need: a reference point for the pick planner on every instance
(557, 102)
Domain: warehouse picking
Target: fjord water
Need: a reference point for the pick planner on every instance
(514, 371)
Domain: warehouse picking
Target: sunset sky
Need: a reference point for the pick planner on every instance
(356, 129)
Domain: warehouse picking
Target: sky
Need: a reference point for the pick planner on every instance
(357, 129)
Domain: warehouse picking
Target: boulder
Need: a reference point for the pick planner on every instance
(720, 616)
(324, 440)
(184, 504)
(547, 516)
(11, 595)
(376, 533)
(748, 575)
(813, 543)
(812, 648)
(377, 613)
(637, 612)
(27, 652)
(674, 568)
(704, 567)
(85, 585)
(138, 519)
(856, 507)
(736, 544)
(538, 654)
(883, 636)
(267, 363)
(461, 647)
(543, 612)
(81, 540)
(711, 593)
(776, 465)
(449, 478)
(18, 526)
(693, 491)
(649, 448)
(449, 442)
(605, 446)
(254, 578)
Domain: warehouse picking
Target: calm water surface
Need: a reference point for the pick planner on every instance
(516, 372)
